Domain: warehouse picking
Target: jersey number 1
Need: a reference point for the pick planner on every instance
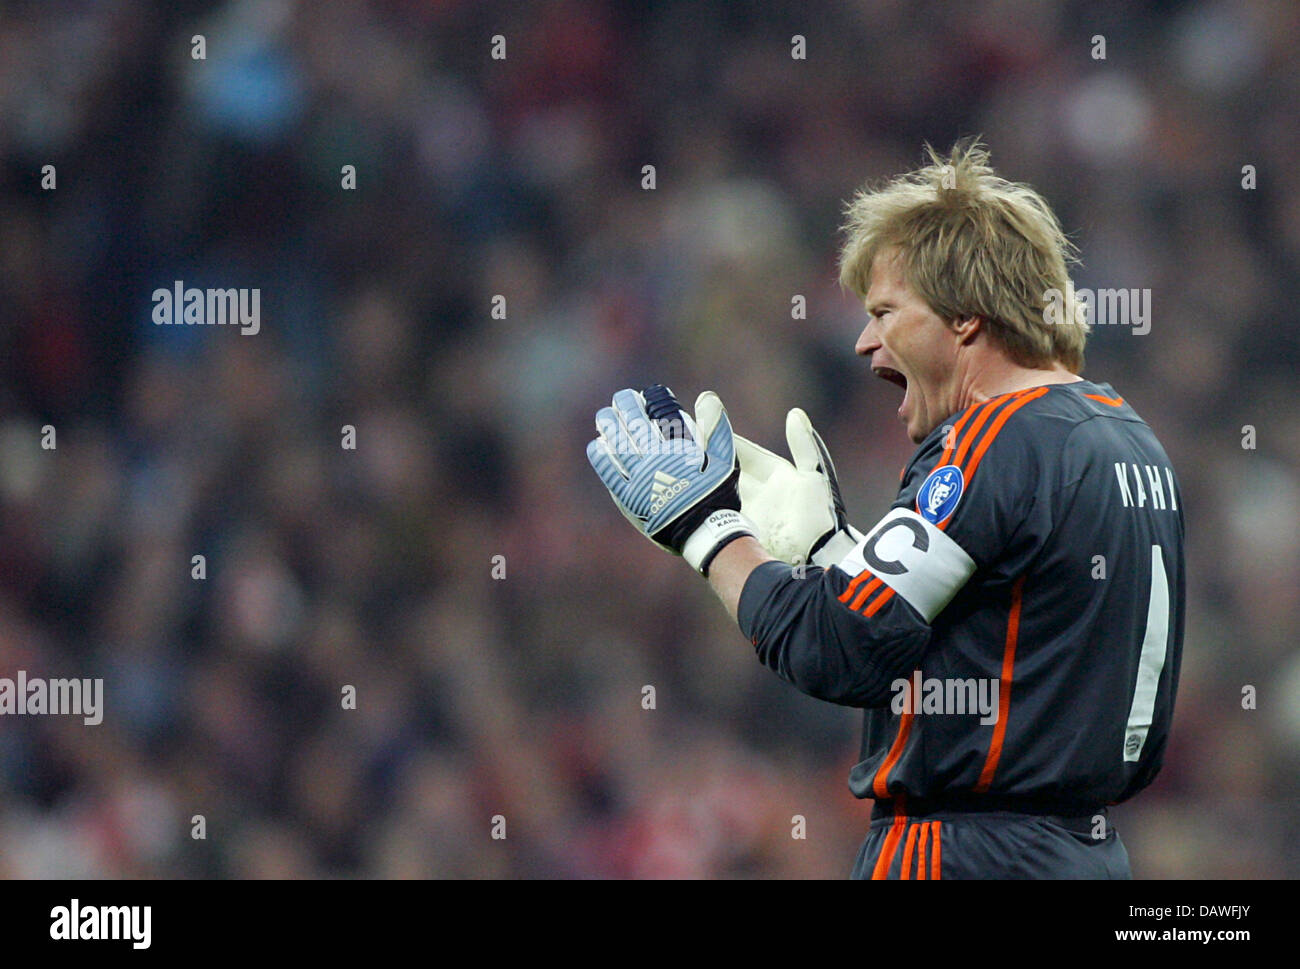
(1151, 662)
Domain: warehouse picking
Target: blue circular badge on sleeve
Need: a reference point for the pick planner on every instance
(940, 493)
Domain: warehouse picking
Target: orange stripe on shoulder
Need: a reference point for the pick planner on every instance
(996, 428)
(1007, 404)
(955, 434)
(1109, 401)
(985, 411)
(958, 442)
(952, 436)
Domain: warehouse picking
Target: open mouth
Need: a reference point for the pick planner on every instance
(893, 376)
(898, 380)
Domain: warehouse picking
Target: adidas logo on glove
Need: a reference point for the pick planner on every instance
(672, 475)
(665, 488)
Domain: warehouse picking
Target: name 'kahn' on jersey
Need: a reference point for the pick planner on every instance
(1013, 626)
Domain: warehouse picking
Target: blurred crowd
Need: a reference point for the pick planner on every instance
(462, 568)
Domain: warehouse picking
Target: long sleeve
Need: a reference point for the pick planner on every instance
(804, 631)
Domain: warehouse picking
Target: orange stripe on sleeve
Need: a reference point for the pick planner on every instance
(1014, 401)
(876, 606)
(920, 853)
(881, 871)
(1004, 690)
(871, 587)
(861, 577)
(856, 591)
(935, 869)
(865, 594)
(908, 848)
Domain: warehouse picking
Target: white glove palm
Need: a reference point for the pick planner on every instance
(797, 507)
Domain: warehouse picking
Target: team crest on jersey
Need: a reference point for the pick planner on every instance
(940, 493)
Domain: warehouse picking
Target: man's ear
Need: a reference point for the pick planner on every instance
(967, 328)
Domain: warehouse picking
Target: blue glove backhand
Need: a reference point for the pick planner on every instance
(674, 478)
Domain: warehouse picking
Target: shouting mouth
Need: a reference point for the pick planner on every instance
(896, 378)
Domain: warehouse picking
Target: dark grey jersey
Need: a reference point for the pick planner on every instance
(1013, 626)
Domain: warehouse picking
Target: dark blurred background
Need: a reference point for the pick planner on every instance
(480, 696)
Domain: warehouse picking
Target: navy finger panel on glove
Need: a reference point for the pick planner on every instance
(673, 477)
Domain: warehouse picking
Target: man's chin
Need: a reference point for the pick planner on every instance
(918, 431)
(914, 434)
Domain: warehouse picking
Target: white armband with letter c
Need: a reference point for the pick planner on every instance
(919, 562)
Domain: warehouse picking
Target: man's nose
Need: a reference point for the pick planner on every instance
(867, 342)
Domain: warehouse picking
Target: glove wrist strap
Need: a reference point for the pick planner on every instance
(835, 548)
(712, 534)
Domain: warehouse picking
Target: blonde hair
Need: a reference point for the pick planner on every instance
(973, 244)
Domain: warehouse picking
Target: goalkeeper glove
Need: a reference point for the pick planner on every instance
(673, 477)
(797, 507)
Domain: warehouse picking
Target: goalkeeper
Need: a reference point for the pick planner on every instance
(1012, 626)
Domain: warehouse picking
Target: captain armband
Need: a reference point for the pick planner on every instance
(915, 559)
